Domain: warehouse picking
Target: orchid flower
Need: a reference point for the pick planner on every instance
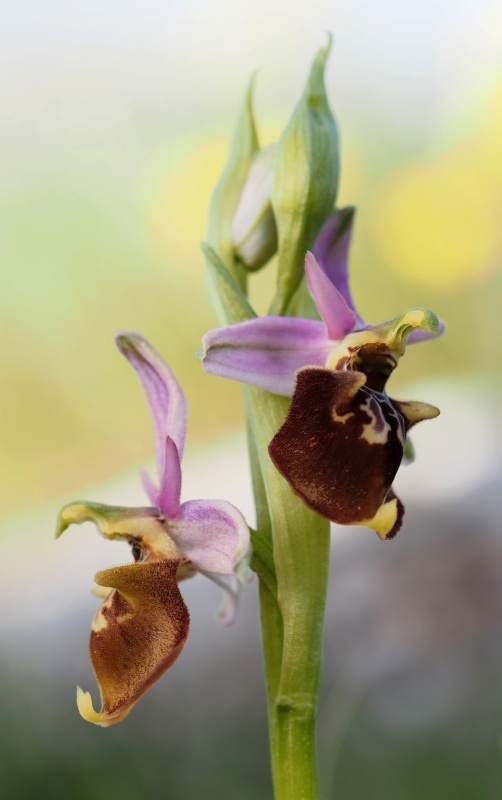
(344, 438)
(142, 625)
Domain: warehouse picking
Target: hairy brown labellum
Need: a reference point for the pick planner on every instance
(340, 448)
(137, 633)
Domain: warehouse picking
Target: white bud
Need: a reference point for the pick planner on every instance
(254, 232)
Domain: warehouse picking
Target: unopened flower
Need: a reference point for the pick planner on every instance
(142, 625)
(344, 438)
(254, 231)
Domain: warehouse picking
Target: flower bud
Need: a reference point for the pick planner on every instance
(305, 181)
(226, 195)
(254, 232)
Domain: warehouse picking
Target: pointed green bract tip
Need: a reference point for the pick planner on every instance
(225, 197)
(317, 70)
(230, 302)
(306, 180)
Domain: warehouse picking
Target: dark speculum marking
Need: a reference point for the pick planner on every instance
(377, 363)
(340, 446)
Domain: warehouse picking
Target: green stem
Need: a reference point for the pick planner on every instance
(291, 554)
(301, 553)
(292, 729)
(292, 610)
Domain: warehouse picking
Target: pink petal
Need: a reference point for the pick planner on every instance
(331, 249)
(230, 597)
(266, 352)
(213, 534)
(168, 497)
(163, 393)
(339, 318)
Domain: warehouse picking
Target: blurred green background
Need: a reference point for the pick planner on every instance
(116, 119)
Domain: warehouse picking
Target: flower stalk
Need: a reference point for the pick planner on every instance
(325, 439)
(292, 623)
(290, 555)
(331, 453)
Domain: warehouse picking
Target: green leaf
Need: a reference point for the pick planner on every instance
(305, 181)
(229, 301)
(228, 189)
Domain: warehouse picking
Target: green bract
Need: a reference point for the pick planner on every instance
(254, 230)
(276, 198)
(305, 180)
(228, 189)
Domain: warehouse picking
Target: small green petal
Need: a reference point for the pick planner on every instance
(145, 526)
(111, 521)
(395, 333)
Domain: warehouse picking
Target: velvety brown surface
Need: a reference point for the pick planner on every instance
(329, 462)
(141, 630)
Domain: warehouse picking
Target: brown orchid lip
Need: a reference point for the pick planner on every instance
(340, 447)
(137, 634)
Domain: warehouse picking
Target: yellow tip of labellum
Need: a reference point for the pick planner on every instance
(101, 591)
(384, 519)
(86, 710)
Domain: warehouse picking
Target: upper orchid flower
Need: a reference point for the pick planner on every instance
(343, 440)
(142, 626)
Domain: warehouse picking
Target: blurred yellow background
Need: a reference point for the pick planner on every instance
(116, 122)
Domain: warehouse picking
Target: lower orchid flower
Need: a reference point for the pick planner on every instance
(343, 439)
(142, 626)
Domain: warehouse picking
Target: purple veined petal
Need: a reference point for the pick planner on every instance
(168, 497)
(266, 352)
(338, 317)
(424, 336)
(213, 534)
(165, 398)
(331, 249)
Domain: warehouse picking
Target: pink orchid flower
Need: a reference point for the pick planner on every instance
(143, 623)
(344, 438)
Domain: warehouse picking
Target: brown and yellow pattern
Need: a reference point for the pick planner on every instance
(137, 633)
